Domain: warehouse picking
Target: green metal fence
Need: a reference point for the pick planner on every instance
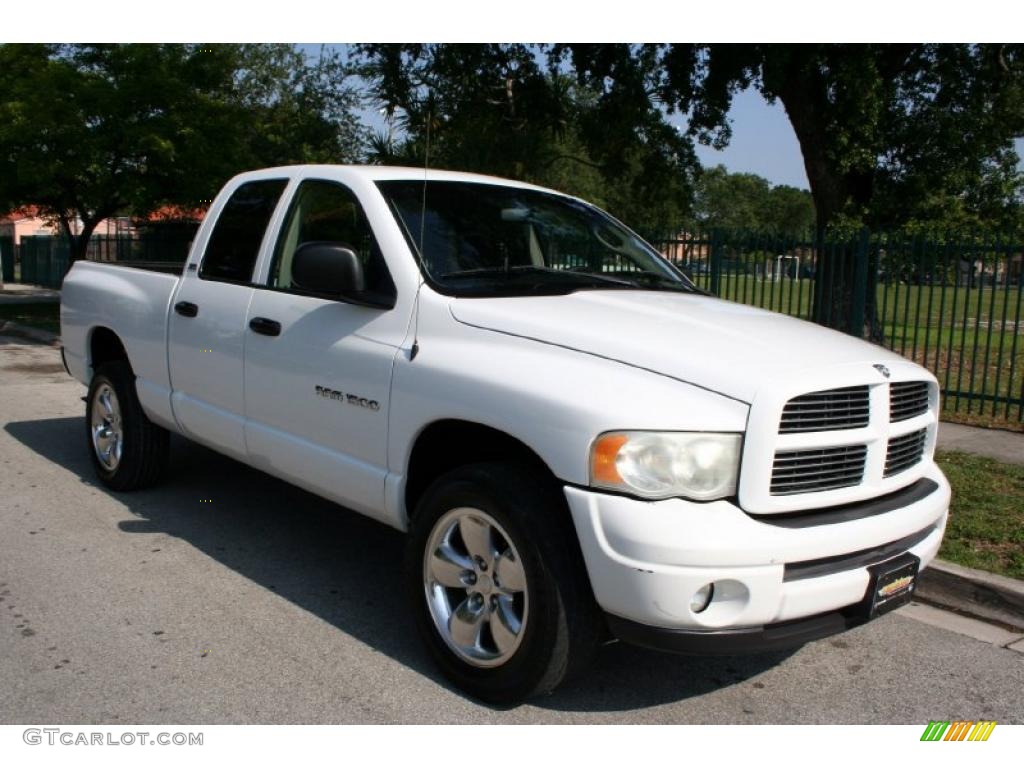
(164, 248)
(44, 260)
(6, 259)
(951, 302)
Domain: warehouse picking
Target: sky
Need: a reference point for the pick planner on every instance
(762, 140)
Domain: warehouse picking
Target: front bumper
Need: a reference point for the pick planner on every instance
(735, 642)
(778, 580)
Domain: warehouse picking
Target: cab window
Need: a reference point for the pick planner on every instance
(325, 211)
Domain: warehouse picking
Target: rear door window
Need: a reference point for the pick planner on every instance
(235, 243)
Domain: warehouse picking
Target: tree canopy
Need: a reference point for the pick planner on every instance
(500, 109)
(748, 201)
(891, 135)
(888, 133)
(90, 131)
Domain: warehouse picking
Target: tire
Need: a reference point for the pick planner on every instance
(506, 631)
(128, 451)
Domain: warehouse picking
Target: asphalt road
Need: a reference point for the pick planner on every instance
(267, 605)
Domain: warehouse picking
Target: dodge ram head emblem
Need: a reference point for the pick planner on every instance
(882, 370)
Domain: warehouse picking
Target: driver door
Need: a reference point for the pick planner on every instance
(317, 369)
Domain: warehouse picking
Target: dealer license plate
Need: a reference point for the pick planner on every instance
(892, 584)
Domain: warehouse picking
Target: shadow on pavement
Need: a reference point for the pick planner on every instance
(346, 569)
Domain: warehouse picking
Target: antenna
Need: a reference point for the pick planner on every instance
(426, 165)
(423, 226)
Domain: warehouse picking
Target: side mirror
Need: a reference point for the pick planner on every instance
(328, 269)
(333, 271)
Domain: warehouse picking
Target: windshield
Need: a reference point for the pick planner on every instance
(485, 240)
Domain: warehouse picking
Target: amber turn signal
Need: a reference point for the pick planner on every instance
(603, 457)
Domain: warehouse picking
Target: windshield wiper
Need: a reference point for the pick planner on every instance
(650, 282)
(531, 269)
(643, 281)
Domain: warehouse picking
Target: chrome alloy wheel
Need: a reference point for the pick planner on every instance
(475, 587)
(105, 426)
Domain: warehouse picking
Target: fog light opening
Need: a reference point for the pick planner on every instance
(702, 598)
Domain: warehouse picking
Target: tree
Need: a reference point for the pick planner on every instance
(748, 201)
(891, 120)
(726, 200)
(990, 200)
(788, 211)
(948, 152)
(497, 109)
(90, 131)
(297, 110)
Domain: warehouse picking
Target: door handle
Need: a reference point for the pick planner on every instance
(265, 326)
(186, 309)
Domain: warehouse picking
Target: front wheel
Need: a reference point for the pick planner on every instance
(498, 583)
(128, 451)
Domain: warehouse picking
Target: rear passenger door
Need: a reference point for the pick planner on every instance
(207, 322)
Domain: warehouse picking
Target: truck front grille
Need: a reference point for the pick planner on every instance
(907, 399)
(818, 469)
(831, 409)
(904, 452)
(841, 439)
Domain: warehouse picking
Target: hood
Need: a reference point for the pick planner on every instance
(716, 344)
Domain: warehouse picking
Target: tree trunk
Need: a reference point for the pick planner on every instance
(78, 243)
(840, 282)
(799, 76)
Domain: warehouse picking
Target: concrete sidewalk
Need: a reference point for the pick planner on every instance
(999, 444)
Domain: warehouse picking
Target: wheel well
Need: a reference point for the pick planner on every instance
(446, 445)
(105, 347)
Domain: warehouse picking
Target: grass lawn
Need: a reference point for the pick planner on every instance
(44, 315)
(986, 521)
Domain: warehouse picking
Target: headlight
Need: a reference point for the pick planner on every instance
(657, 465)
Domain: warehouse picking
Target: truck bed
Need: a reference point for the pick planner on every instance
(133, 301)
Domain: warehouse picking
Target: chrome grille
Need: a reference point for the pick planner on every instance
(907, 399)
(845, 408)
(904, 452)
(818, 469)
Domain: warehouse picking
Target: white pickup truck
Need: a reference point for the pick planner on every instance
(580, 444)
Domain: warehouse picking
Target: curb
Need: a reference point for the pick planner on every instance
(8, 328)
(982, 595)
